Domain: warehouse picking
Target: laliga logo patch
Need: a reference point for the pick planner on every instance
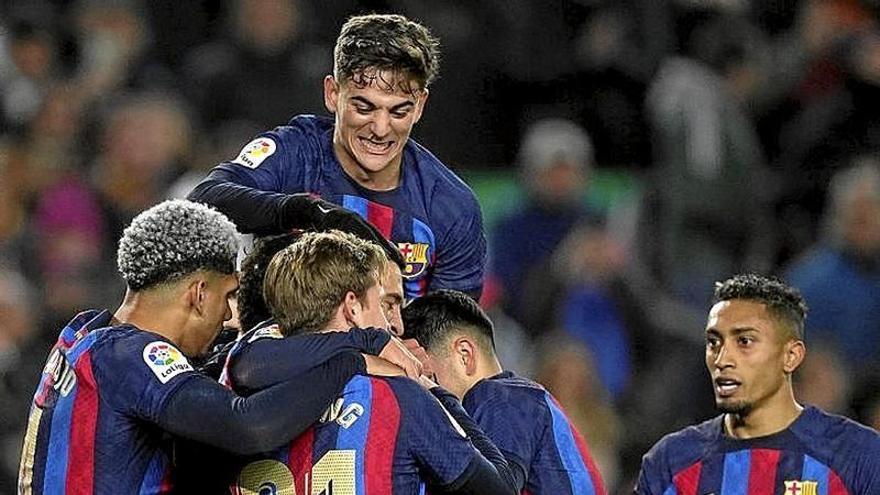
(165, 361)
(253, 154)
(416, 257)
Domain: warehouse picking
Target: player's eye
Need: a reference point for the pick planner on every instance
(713, 342)
(744, 341)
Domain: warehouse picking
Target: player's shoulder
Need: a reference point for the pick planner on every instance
(681, 448)
(834, 429)
(507, 389)
(436, 177)
(300, 130)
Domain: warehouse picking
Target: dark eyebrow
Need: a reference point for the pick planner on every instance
(735, 331)
(401, 106)
(363, 100)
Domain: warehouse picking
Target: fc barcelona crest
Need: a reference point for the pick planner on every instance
(415, 255)
(801, 487)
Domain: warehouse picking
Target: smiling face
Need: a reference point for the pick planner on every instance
(749, 356)
(374, 118)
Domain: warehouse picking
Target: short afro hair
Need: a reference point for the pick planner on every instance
(782, 301)
(174, 239)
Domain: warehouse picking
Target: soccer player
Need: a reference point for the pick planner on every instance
(116, 384)
(363, 161)
(764, 441)
(382, 435)
(518, 415)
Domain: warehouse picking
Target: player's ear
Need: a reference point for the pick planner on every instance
(352, 309)
(795, 351)
(420, 105)
(195, 294)
(331, 93)
(466, 353)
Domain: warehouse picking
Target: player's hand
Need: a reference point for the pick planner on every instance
(380, 367)
(396, 352)
(420, 353)
(306, 211)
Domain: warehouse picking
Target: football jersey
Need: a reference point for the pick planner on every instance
(382, 436)
(432, 216)
(531, 429)
(91, 422)
(819, 454)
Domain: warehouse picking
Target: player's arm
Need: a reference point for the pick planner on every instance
(489, 472)
(651, 481)
(201, 409)
(267, 362)
(461, 259)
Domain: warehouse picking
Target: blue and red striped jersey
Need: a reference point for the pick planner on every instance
(90, 428)
(382, 436)
(819, 454)
(531, 429)
(433, 216)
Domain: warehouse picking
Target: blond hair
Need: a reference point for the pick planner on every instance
(307, 281)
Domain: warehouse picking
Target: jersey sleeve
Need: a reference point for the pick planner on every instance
(138, 373)
(461, 255)
(268, 361)
(652, 480)
(437, 442)
(252, 187)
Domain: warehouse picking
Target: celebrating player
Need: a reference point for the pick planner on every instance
(764, 441)
(545, 451)
(363, 161)
(383, 435)
(114, 384)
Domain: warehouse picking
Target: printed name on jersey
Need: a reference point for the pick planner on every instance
(272, 331)
(797, 487)
(165, 360)
(253, 154)
(343, 416)
(416, 257)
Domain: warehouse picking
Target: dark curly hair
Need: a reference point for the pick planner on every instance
(783, 302)
(371, 44)
(252, 307)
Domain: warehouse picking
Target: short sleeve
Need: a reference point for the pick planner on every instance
(137, 373)
(437, 442)
(461, 257)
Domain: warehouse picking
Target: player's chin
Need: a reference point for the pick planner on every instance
(732, 406)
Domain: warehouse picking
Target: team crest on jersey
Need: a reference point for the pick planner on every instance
(797, 487)
(253, 154)
(416, 257)
(165, 360)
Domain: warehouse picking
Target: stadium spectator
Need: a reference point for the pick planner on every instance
(555, 159)
(521, 417)
(840, 276)
(764, 437)
(707, 153)
(363, 162)
(384, 434)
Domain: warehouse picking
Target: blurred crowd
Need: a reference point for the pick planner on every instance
(750, 129)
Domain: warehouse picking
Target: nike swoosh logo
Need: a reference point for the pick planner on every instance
(324, 209)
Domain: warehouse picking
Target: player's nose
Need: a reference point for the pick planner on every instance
(381, 123)
(723, 358)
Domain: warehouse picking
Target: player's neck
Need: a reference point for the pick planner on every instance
(773, 416)
(384, 180)
(488, 367)
(152, 312)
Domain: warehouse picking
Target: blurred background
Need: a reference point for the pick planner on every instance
(627, 154)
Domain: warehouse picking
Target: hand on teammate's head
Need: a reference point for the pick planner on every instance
(396, 352)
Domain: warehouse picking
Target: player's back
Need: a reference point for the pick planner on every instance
(88, 428)
(382, 436)
(819, 453)
(530, 428)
